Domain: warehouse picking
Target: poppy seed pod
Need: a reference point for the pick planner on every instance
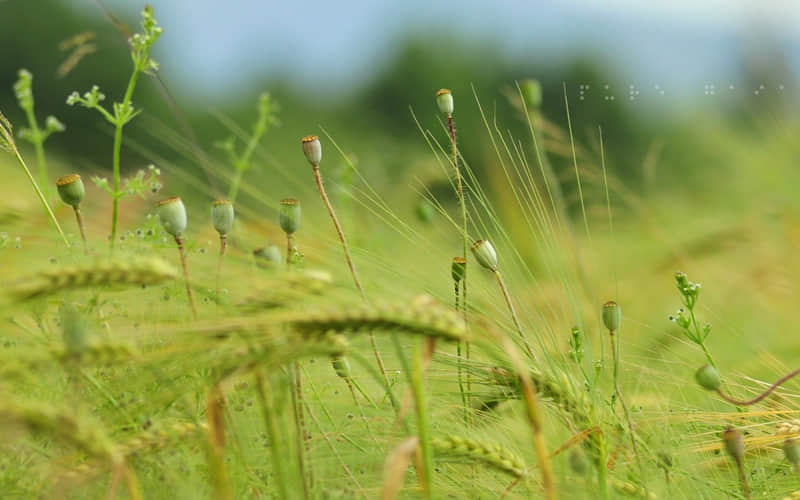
(290, 215)
(172, 213)
(612, 315)
(485, 255)
(791, 449)
(70, 189)
(222, 216)
(459, 268)
(734, 443)
(444, 99)
(312, 148)
(708, 378)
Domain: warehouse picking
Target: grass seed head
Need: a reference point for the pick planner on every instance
(485, 254)
(444, 99)
(70, 189)
(290, 215)
(222, 216)
(312, 148)
(708, 377)
(612, 315)
(172, 213)
(458, 269)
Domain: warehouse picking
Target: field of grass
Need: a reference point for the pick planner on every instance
(114, 387)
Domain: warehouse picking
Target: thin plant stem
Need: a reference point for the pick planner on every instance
(289, 247)
(418, 389)
(618, 392)
(38, 144)
(223, 245)
(350, 264)
(513, 311)
(189, 293)
(79, 219)
(460, 365)
(120, 123)
(302, 443)
(761, 396)
(743, 478)
(352, 389)
(216, 443)
(464, 236)
(273, 432)
(9, 139)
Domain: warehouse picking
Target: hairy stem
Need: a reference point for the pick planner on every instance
(189, 292)
(289, 247)
(743, 478)
(223, 245)
(417, 387)
(350, 264)
(79, 218)
(513, 311)
(460, 365)
(618, 391)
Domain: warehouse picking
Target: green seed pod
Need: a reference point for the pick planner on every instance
(459, 268)
(791, 448)
(577, 462)
(734, 443)
(531, 93)
(612, 315)
(290, 215)
(444, 99)
(708, 377)
(70, 189)
(424, 211)
(268, 257)
(341, 366)
(485, 255)
(312, 148)
(172, 213)
(222, 216)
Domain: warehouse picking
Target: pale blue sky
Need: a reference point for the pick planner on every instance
(680, 45)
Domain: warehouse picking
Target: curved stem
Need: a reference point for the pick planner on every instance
(273, 432)
(743, 478)
(513, 311)
(761, 396)
(223, 245)
(350, 264)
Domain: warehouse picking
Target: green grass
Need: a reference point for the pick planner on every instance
(113, 400)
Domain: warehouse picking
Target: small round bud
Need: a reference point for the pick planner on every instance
(222, 216)
(444, 99)
(312, 148)
(172, 213)
(341, 366)
(290, 215)
(459, 268)
(268, 256)
(791, 448)
(70, 189)
(612, 315)
(424, 211)
(485, 255)
(708, 378)
(734, 443)
(577, 462)
(531, 93)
